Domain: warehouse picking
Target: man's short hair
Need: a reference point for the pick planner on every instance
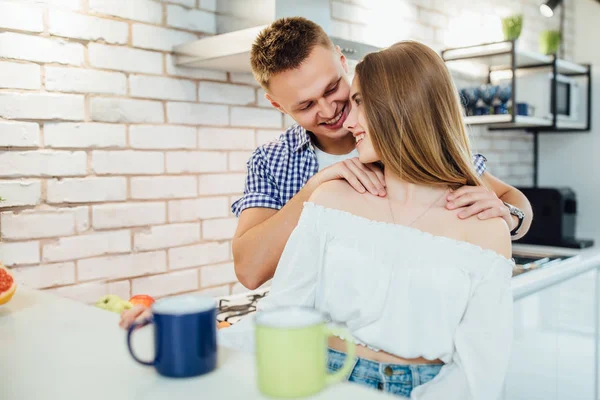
(285, 45)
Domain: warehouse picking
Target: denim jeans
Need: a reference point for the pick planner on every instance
(396, 379)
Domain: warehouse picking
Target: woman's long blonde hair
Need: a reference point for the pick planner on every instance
(414, 116)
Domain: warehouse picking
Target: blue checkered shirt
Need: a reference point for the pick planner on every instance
(278, 170)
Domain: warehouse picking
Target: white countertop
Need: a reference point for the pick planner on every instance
(534, 281)
(55, 348)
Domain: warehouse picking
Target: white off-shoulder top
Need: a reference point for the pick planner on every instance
(403, 291)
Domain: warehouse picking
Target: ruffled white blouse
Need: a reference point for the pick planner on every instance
(403, 291)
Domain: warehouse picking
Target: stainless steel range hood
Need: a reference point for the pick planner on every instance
(238, 23)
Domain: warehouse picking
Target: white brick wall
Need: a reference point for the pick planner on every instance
(210, 5)
(226, 139)
(155, 38)
(196, 161)
(211, 275)
(40, 49)
(217, 291)
(86, 190)
(349, 12)
(243, 77)
(126, 110)
(45, 276)
(41, 106)
(165, 284)
(76, 80)
(19, 75)
(122, 266)
(20, 253)
(34, 224)
(160, 237)
(139, 10)
(218, 229)
(196, 255)
(66, 4)
(189, 3)
(23, 17)
(128, 214)
(162, 137)
(19, 134)
(261, 100)
(93, 244)
(238, 160)
(255, 117)
(78, 135)
(213, 92)
(162, 88)
(127, 162)
(221, 184)
(95, 114)
(196, 209)
(195, 20)
(197, 114)
(124, 59)
(77, 26)
(42, 163)
(163, 187)
(21, 192)
(266, 136)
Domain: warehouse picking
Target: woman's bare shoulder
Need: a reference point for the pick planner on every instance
(338, 194)
(490, 234)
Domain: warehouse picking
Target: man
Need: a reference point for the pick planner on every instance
(306, 77)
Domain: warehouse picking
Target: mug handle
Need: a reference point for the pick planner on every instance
(133, 327)
(339, 375)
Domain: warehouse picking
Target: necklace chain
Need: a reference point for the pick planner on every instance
(418, 216)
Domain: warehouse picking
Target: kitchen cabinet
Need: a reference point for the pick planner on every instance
(554, 351)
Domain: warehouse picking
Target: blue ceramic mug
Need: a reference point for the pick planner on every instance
(185, 336)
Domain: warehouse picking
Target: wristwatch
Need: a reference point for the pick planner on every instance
(517, 213)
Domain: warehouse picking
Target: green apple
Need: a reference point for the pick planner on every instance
(114, 303)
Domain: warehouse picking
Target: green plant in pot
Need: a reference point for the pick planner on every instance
(512, 26)
(549, 42)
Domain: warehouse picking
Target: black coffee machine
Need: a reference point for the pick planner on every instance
(554, 215)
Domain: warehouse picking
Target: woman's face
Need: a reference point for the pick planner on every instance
(356, 122)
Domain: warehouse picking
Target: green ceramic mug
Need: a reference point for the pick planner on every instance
(291, 352)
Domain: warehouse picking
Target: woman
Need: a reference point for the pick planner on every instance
(425, 294)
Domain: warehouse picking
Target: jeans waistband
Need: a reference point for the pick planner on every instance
(386, 371)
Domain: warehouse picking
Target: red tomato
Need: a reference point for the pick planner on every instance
(142, 299)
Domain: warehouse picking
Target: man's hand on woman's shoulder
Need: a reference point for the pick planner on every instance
(362, 177)
(479, 201)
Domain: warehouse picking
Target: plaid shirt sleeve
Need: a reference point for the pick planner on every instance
(260, 190)
(479, 161)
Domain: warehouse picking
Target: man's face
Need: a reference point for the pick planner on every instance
(316, 94)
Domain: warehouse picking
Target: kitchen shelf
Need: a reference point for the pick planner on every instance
(520, 120)
(484, 59)
(497, 56)
(507, 55)
(504, 121)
